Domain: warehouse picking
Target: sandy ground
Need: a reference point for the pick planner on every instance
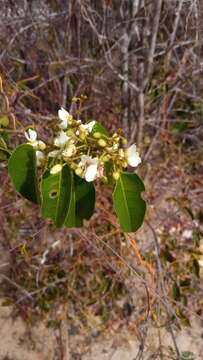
(18, 342)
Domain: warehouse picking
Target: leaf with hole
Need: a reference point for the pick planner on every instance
(85, 199)
(57, 192)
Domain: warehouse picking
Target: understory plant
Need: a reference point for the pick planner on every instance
(60, 175)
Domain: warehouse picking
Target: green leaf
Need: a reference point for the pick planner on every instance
(70, 220)
(128, 204)
(85, 199)
(57, 196)
(99, 128)
(23, 172)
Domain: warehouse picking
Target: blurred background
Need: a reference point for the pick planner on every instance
(140, 64)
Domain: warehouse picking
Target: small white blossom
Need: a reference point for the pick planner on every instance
(91, 172)
(69, 151)
(31, 136)
(55, 169)
(39, 157)
(133, 156)
(64, 117)
(90, 166)
(61, 139)
(89, 126)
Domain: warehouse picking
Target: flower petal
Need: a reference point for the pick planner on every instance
(90, 125)
(64, 117)
(69, 151)
(133, 156)
(63, 114)
(31, 135)
(85, 159)
(61, 139)
(91, 172)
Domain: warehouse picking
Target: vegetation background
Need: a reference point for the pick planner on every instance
(140, 65)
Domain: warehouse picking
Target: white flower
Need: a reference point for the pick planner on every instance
(89, 165)
(64, 117)
(55, 169)
(69, 150)
(91, 172)
(61, 139)
(39, 157)
(31, 136)
(133, 156)
(89, 126)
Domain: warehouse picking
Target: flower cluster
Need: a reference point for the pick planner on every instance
(86, 148)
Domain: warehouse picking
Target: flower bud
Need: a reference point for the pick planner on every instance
(116, 175)
(106, 158)
(70, 132)
(124, 163)
(82, 135)
(41, 145)
(124, 141)
(79, 171)
(97, 135)
(55, 169)
(101, 142)
(104, 179)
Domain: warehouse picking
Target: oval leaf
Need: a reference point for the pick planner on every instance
(128, 204)
(22, 170)
(57, 195)
(85, 199)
